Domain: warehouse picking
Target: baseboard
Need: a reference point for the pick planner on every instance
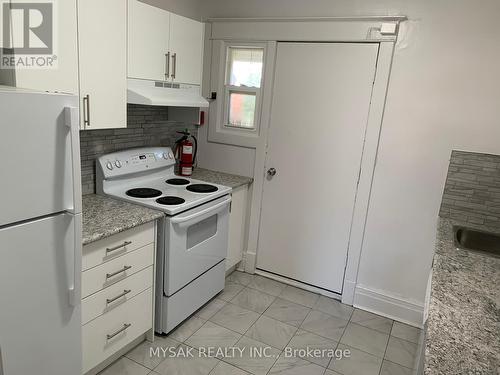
(250, 262)
(382, 303)
(231, 269)
(348, 292)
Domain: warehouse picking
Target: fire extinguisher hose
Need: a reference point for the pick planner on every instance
(195, 150)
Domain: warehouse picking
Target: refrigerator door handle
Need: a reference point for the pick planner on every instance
(74, 265)
(72, 122)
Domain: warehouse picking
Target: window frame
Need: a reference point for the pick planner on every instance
(219, 129)
(228, 88)
(227, 105)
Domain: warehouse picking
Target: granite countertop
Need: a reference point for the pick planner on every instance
(463, 326)
(103, 217)
(221, 178)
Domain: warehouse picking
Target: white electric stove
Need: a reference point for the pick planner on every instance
(192, 237)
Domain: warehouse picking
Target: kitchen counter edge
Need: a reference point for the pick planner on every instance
(105, 216)
(221, 178)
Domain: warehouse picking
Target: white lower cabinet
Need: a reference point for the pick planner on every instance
(237, 226)
(117, 304)
(111, 272)
(107, 334)
(110, 298)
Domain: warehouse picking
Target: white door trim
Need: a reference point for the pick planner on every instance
(358, 29)
(368, 162)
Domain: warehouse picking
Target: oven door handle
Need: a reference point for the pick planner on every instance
(198, 216)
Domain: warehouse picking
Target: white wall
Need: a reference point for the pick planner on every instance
(225, 158)
(187, 8)
(444, 93)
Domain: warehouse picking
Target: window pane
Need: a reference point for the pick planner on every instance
(244, 66)
(241, 109)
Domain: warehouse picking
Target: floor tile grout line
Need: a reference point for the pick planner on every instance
(329, 338)
(296, 329)
(262, 314)
(385, 350)
(399, 364)
(361, 350)
(399, 338)
(130, 359)
(257, 312)
(257, 290)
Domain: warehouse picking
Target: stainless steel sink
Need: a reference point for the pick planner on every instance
(475, 240)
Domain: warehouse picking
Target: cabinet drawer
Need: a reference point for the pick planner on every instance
(109, 273)
(109, 299)
(112, 247)
(107, 334)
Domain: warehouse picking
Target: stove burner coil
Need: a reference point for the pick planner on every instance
(143, 193)
(177, 181)
(170, 200)
(202, 188)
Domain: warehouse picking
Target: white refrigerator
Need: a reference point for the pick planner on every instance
(40, 233)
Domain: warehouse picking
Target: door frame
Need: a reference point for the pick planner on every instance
(383, 30)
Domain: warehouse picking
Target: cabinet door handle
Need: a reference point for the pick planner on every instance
(111, 300)
(174, 65)
(124, 328)
(86, 110)
(110, 275)
(111, 249)
(167, 65)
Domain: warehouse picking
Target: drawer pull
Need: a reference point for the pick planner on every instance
(124, 269)
(111, 300)
(124, 328)
(111, 249)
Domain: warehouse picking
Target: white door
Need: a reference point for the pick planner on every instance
(186, 49)
(319, 113)
(40, 332)
(102, 37)
(148, 37)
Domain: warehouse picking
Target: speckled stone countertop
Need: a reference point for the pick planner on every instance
(463, 326)
(103, 217)
(221, 178)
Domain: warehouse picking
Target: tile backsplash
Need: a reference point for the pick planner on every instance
(146, 126)
(472, 190)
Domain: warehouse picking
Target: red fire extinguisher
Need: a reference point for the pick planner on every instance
(185, 153)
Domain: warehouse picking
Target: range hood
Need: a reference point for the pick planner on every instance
(146, 92)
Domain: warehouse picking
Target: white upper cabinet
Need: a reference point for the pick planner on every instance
(64, 76)
(103, 63)
(148, 29)
(163, 46)
(186, 46)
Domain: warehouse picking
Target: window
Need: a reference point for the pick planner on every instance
(242, 86)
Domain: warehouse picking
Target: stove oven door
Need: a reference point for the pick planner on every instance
(195, 241)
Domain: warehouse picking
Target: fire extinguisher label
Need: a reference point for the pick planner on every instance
(187, 149)
(186, 171)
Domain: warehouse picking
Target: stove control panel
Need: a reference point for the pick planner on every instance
(135, 160)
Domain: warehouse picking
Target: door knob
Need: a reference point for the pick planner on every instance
(271, 172)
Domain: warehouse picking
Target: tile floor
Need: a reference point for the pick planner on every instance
(257, 312)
